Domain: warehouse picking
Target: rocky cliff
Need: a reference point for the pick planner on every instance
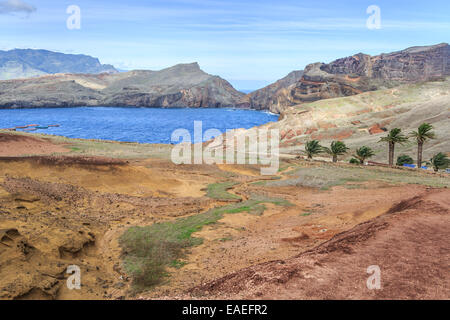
(269, 95)
(362, 73)
(184, 85)
(26, 63)
(187, 85)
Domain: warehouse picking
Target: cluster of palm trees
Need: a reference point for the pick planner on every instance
(395, 136)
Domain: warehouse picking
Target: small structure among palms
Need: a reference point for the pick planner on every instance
(422, 134)
(394, 136)
(313, 148)
(363, 153)
(337, 148)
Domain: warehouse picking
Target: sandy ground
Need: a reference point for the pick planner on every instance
(58, 211)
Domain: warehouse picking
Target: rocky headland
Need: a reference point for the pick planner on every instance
(357, 74)
(27, 63)
(184, 85)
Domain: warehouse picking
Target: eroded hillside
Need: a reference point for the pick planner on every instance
(364, 118)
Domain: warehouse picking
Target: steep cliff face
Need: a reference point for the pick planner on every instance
(184, 85)
(268, 97)
(361, 73)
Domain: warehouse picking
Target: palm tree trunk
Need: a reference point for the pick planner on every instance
(419, 154)
(334, 158)
(391, 153)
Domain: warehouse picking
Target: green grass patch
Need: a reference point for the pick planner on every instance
(219, 191)
(177, 264)
(264, 182)
(239, 210)
(283, 168)
(148, 251)
(75, 149)
(277, 201)
(259, 183)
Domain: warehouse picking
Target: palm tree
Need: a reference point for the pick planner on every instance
(404, 159)
(363, 153)
(440, 161)
(313, 148)
(422, 134)
(394, 136)
(337, 148)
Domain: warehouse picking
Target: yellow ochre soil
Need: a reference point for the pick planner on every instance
(62, 210)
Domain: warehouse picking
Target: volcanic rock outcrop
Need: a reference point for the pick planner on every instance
(267, 96)
(361, 73)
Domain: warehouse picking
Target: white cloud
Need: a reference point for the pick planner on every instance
(16, 6)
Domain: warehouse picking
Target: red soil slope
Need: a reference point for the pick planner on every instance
(17, 145)
(410, 243)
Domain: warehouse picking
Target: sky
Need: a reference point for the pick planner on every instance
(249, 43)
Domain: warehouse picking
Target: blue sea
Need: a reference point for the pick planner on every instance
(144, 125)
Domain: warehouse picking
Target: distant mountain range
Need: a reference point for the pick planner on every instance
(184, 85)
(26, 63)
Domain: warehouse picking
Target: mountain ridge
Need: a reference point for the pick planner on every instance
(186, 85)
(359, 73)
(182, 85)
(26, 63)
